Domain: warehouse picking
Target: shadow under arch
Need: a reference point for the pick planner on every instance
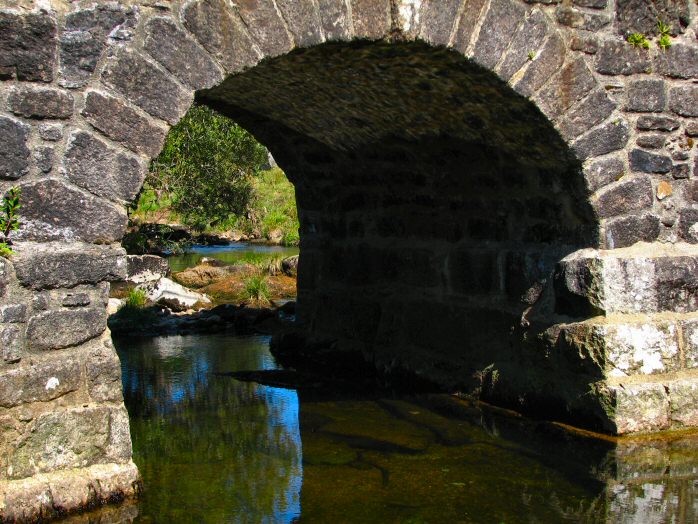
(434, 203)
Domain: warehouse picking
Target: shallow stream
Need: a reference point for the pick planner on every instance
(228, 253)
(213, 449)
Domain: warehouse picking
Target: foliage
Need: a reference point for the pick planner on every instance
(664, 42)
(156, 238)
(206, 168)
(9, 220)
(136, 299)
(639, 40)
(5, 250)
(531, 55)
(256, 289)
(664, 35)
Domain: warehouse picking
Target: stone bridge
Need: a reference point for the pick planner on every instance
(499, 196)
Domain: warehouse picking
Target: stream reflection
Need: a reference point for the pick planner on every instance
(212, 449)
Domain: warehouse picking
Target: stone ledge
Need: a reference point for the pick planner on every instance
(55, 494)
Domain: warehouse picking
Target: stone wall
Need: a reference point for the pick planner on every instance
(448, 175)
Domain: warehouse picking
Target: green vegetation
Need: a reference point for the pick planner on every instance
(205, 169)
(638, 40)
(9, 219)
(136, 299)
(531, 55)
(256, 289)
(209, 177)
(664, 35)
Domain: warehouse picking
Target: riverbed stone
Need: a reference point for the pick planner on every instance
(87, 33)
(58, 265)
(180, 55)
(27, 46)
(102, 170)
(645, 96)
(41, 102)
(146, 268)
(123, 124)
(683, 100)
(146, 86)
(620, 58)
(14, 153)
(64, 328)
(52, 210)
(646, 162)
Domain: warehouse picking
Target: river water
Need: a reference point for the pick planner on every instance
(228, 253)
(213, 449)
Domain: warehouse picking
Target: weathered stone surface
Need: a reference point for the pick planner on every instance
(570, 84)
(13, 313)
(544, 65)
(591, 111)
(501, 21)
(104, 373)
(335, 19)
(40, 102)
(690, 345)
(123, 124)
(44, 158)
(637, 16)
(688, 225)
(222, 33)
(51, 132)
(93, 165)
(371, 18)
(607, 138)
(146, 268)
(578, 19)
(527, 39)
(60, 265)
(27, 46)
(302, 20)
(180, 55)
(640, 407)
(626, 231)
(65, 328)
(692, 128)
(147, 86)
(683, 398)
(53, 210)
(657, 123)
(604, 171)
(646, 96)
(651, 141)
(77, 437)
(14, 153)
(4, 277)
(173, 295)
(588, 44)
(11, 343)
(593, 4)
(87, 33)
(620, 58)
(678, 61)
(438, 21)
(41, 381)
(467, 24)
(679, 171)
(624, 196)
(683, 100)
(266, 26)
(646, 162)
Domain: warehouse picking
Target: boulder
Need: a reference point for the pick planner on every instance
(146, 268)
(200, 276)
(173, 295)
(290, 266)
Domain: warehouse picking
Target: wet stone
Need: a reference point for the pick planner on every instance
(620, 58)
(657, 123)
(27, 46)
(683, 100)
(646, 162)
(14, 153)
(610, 137)
(624, 196)
(180, 55)
(651, 141)
(646, 96)
(626, 231)
(603, 172)
(64, 328)
(146, 86)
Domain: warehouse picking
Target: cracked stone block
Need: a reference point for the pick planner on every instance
(14, 153)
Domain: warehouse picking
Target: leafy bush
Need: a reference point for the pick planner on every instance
(206, 168)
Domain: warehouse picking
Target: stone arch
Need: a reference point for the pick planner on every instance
(89, 93)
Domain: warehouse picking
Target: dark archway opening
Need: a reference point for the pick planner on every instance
(434, 202)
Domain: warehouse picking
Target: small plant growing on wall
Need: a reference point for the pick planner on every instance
(664, 35)
(9, 219)
(638, 40)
